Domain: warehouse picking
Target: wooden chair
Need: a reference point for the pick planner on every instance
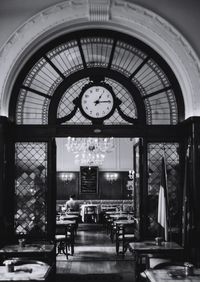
(90, 214)
(125, 233)
(75, 219)
(113, 227)
(64, 239)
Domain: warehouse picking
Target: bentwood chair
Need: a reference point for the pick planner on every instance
(113, 227)
(90, 214)
(64, 239)
(125, 233)
(73, 218)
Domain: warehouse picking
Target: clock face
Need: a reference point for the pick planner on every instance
(97, 102)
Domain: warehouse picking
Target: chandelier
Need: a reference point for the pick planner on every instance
(90, 151)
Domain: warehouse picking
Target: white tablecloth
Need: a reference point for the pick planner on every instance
(84, 207)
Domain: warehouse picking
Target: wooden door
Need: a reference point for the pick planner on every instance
(137, 164)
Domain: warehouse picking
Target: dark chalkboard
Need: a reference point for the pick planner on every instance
(89, 180)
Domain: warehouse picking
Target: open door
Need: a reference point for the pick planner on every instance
(52, 189)
(35, 189)
(137, 166)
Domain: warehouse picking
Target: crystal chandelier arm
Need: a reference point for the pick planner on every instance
(90, 151)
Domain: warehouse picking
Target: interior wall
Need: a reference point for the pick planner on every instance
(120, 159)
(105, 190)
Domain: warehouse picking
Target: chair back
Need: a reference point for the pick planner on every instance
(129, 228)
(60, 229)
(90, 210)
(67, 230)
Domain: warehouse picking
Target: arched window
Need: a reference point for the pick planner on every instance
(52, 86)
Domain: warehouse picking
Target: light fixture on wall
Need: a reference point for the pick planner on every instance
(111, 177)
(130, 182)
(90, 151)
(67, 177)
(131, 174)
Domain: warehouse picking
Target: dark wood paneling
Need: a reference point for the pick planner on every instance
(106, 190)
(117, 189)
(65, 189)
(111, 190)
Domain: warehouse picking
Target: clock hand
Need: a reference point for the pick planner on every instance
(100, 96)
(98, 102)
(107, 101)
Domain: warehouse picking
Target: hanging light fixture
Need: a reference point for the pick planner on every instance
(90, 151)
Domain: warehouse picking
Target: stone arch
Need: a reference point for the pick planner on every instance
(117, 15)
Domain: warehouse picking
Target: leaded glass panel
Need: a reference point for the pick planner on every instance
(127, 58)
(66, 105)
(66, 57)
(30, 188)
(97, 51)
(155, 153)
(32, 108)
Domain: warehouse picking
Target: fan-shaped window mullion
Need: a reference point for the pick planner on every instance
(126, 63)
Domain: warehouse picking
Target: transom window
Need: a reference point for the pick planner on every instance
(50, 84)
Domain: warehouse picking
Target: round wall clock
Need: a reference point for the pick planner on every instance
(97, 101)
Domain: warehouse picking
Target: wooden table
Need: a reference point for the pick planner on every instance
(169, 275)
(125, 221)
(114, 212)
(150, 247)
(142, 250)
(26, 272)
(105, 209)
(73, 213)
(65, 222)
(118, 216)
(69, 217)
(117, 212)
(41, 251)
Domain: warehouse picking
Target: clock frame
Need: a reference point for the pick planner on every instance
(97, 101)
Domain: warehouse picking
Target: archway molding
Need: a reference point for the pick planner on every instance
(117, 15)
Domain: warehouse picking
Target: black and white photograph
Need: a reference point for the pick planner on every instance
(99, 140)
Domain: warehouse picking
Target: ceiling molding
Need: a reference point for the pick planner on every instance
(99, 10)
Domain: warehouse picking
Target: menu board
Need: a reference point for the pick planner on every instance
(89, 179)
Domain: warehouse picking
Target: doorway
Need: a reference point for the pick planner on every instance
(95, 254)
